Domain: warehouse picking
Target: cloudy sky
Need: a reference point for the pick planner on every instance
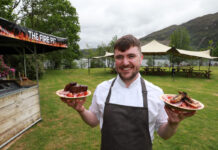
(101, 20)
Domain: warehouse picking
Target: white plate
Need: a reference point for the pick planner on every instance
(63, 94)
(166, 99)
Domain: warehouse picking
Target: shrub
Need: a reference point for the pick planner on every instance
(17, 61)
(5, 70)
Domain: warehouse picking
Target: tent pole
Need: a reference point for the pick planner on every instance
(36, 64)
(173, 69)
(105, 64)
(153, 61)
(24, 61)
(210, 59)
(170, 61)
(88, 67)
(37, 73)
(199, 63)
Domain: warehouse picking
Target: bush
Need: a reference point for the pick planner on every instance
(150, 62)
(70, 65)
(97, 63)
(31, 67)
(5, 70)
(17, 62)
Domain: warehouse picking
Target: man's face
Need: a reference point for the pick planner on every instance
(128, 63)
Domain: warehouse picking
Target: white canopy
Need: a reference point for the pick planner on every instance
(156, 48)
(200, 54)
(106, 55)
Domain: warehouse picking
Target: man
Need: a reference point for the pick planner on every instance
(128, 107)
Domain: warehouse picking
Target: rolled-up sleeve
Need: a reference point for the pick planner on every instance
(162, 116)
(94, 106)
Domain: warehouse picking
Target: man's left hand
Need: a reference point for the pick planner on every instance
(176, 116)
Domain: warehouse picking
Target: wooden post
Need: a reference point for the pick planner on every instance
(36, 64)
(199, 63)
(88, 67)
(170, 61)
(153, 61)
(210, 59)
(24, 61)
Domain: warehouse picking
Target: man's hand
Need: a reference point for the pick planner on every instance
(76, 103)
(175, 116)
(88, 116)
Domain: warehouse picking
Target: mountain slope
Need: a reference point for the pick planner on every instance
(201, 30)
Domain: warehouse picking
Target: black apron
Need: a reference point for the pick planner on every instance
(126, 127)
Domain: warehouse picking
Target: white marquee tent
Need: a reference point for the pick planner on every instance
(107, 54)
(156, 48)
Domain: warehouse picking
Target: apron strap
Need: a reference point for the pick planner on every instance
(109, 93)
(145, 102)
(144, 93)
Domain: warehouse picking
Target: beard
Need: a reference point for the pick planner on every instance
(131, 77)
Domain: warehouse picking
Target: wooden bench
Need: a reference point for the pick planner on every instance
(154, 70)
(202, 73)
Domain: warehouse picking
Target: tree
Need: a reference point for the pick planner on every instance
(109, 48)
(150, 61)
(110, 61)
(56, 17)
(111, 44)
(213, 48)
(7, 8)
(179, 39)
(100, 51)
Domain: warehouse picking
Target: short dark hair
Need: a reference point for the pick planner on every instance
(127, 41)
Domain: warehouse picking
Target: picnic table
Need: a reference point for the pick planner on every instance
(154, 70)
(190, 72)
(186, 71)
(202, 73)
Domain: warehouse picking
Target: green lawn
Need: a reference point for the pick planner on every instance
(62, 128)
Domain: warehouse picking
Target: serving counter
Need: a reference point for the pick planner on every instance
(19, 110)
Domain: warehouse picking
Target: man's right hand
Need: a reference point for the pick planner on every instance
(88, 116)
(76, 103)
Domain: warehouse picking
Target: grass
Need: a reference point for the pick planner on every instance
(63, 129)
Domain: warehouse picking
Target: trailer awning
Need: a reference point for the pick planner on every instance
(14, 39)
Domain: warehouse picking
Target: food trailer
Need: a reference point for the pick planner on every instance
(19, 103)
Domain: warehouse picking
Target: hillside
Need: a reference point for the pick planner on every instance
(201, 30)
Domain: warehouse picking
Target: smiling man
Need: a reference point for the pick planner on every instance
(128, 59)
(128, 107)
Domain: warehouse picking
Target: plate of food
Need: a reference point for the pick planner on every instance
(74, 90)
(182, 102)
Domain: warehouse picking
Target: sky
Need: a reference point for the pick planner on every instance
(101, 20)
